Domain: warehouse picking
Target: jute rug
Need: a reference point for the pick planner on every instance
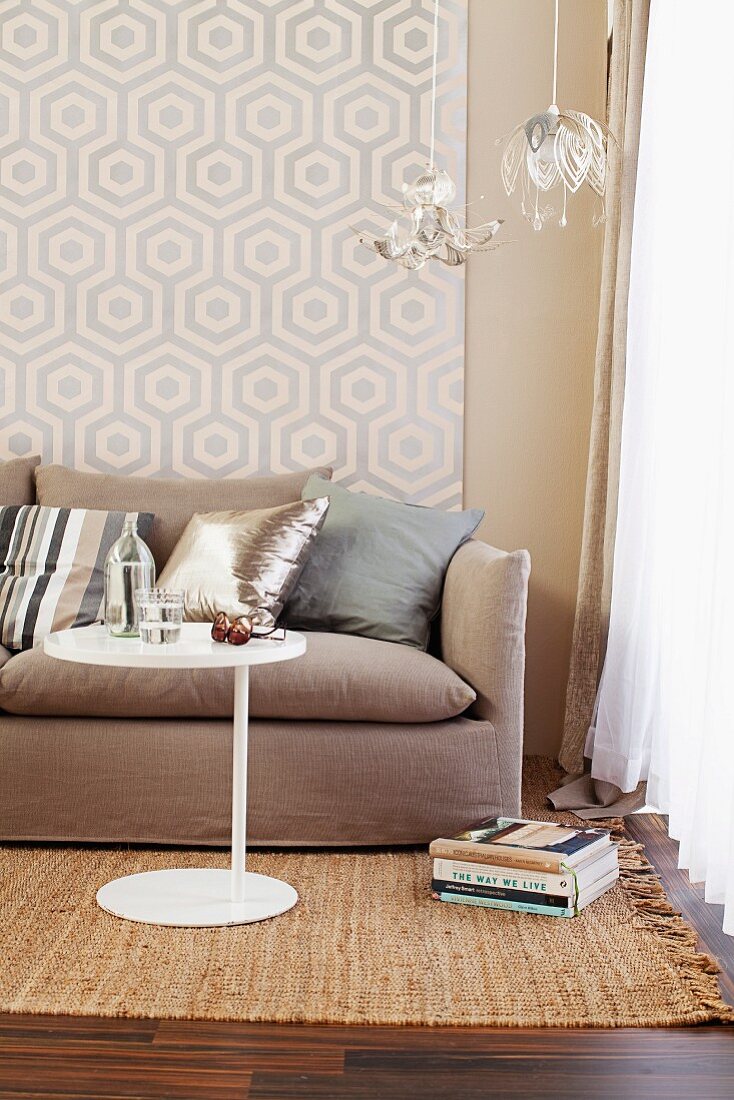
(365, 945)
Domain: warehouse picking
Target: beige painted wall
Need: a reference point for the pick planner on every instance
(531, 330)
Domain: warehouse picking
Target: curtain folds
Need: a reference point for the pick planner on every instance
(626, 77)
(665, 710)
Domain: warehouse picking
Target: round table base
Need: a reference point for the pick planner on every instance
(194, 898)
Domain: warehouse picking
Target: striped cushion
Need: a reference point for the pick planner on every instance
(52, 568)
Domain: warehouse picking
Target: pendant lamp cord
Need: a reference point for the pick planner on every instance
(554, 100)
(433, 82)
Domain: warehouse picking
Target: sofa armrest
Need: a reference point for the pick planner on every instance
(483, 639)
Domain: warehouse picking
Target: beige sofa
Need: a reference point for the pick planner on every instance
(360, 742)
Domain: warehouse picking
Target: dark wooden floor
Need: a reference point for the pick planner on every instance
(95, 1059)
(650, 830)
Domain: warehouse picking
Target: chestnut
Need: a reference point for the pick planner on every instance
(240, 631)
(220, 627)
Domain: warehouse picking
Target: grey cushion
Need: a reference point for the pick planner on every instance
(16, 480)
(377, 567)
(338, 678)
(173, 500)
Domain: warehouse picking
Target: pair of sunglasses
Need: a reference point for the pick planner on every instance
(260, 624)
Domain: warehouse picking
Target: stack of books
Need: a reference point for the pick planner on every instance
(529, 866)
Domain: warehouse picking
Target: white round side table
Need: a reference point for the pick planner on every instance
(192, 897)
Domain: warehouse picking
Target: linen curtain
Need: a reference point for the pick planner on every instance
(666, 708)
(626, 76)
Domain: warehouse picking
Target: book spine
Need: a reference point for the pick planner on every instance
(485, 874)
(478, 853)
(496, 903)
(555, 901)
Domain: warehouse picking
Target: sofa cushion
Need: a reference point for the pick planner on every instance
(16, 480)
(236, 562)
(52, 568)
(377, 567)
(173, 500)
(339, 678)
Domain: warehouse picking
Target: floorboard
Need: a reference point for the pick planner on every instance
(60, 1058)
(651, 830)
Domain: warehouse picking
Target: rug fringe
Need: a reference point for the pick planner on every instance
(642, 885)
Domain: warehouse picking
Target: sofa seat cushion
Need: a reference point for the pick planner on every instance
(339, 678)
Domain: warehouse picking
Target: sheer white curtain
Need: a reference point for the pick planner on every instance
(665, 709)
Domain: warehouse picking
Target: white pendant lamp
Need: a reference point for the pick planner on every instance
(558, 147)
(426, 229)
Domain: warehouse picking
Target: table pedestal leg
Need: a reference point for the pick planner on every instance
(207, 896)
(239, 782)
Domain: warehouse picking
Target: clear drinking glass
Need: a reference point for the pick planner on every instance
(160, 615)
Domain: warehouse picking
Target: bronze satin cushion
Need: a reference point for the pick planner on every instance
(237, 561)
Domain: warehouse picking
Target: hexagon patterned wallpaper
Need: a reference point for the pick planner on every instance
(180, 289)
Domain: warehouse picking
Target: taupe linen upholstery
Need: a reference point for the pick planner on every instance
(310, 783)
(16, 480)
(483, 640)
(173, 500)
(338, 678)
(169, 782)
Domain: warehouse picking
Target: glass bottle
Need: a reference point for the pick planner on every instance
(128, 567)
